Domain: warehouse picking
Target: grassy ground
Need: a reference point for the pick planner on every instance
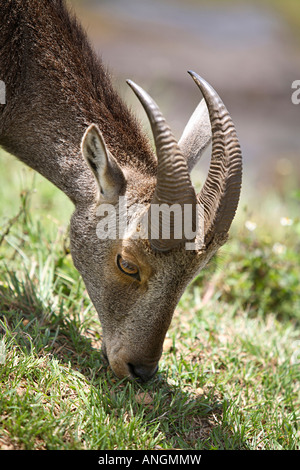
(229, 375)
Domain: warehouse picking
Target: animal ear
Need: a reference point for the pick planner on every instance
(196, 136)
(108, 173)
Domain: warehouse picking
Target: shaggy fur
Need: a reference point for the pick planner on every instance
(56, 86)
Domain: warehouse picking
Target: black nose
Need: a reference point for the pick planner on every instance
(144, 373)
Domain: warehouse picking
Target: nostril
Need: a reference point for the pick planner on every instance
(142, 372)
(131, 370)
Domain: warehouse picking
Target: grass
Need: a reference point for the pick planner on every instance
(229, 375)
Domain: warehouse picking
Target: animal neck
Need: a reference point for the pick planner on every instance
(56, 87)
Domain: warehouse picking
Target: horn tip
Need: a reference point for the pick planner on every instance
(198, 79)
(130, 83)
(208, 92)
(138, 91)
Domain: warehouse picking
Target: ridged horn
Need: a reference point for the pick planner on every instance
(221, 191)
(173, 185)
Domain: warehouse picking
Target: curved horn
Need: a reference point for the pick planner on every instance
(221, 190)
(173, 180)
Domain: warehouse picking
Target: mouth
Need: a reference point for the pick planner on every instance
(140, 373)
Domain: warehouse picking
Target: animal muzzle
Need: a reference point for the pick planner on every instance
(143, 372)
(133, 366)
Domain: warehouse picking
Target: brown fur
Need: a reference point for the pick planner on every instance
(56, 86)
(64, 119)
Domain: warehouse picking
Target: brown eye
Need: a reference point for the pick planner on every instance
(128, 268)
